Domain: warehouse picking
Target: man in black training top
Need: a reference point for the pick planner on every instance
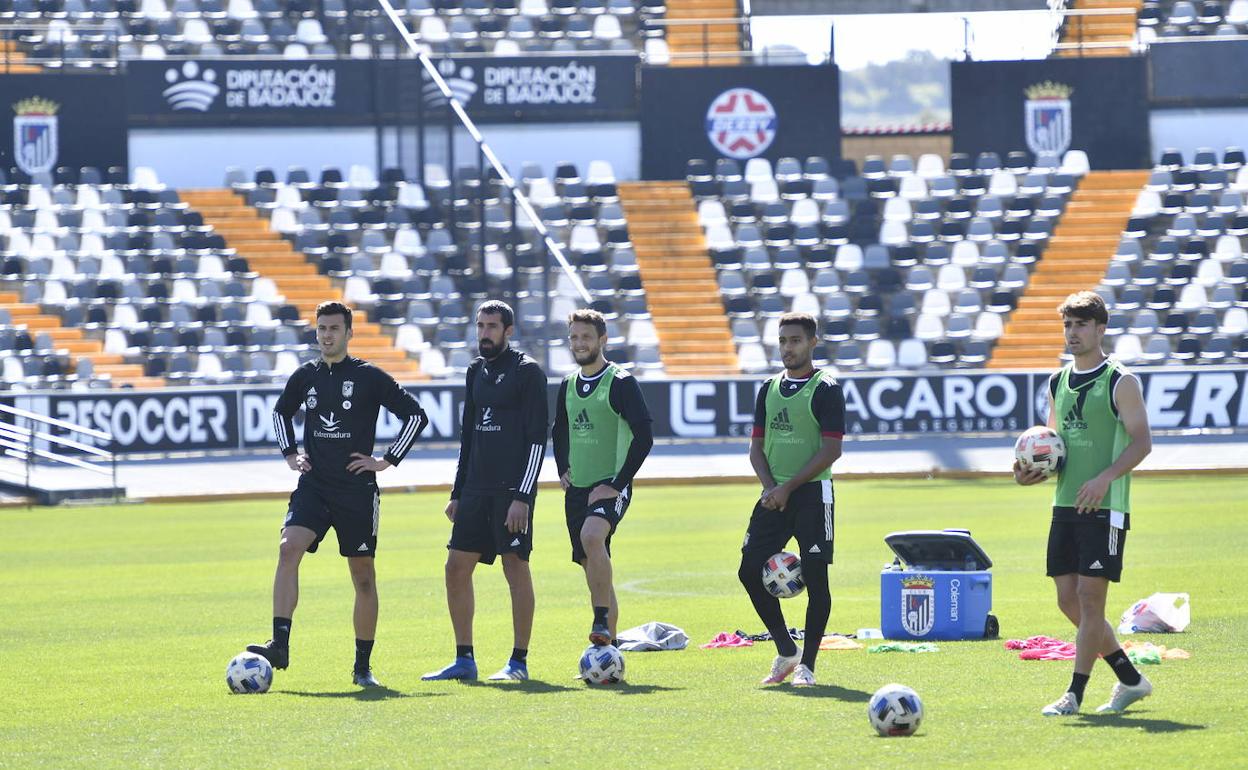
(799, 422)
(500, 455)
(601, 437)
(337, 486)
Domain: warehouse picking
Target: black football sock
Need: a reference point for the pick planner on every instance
(1126, 672)
(363, 650)
(600, 616)
(463, 651)
(818, 607)
(281, 632)
(766, 605)
(1077, 683)
(519, 655)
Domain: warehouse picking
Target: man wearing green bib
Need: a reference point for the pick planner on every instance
(601, 437)
(799, 422)
(1097, 407)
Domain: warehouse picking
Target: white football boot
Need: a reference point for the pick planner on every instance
(1124, 695)
(782, 666)
(1064, 706)
(803, 676)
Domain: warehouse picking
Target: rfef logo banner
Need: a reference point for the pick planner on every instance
(63, 120)
(946, 403)
(1098, 105)
(736, 112)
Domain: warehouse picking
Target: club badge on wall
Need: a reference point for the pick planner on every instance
(35, 135)
(1047, 113)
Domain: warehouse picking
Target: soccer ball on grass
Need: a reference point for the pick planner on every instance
(895, 710)
(602, 665)
(249, 673)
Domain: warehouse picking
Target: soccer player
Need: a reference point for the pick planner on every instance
(601, 437)
(1097, 407)
(799, 423)
(500, 455)
(337, 485)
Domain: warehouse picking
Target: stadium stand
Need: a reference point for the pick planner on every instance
(123, 283)
(1185, 18)
(411, 256)
(1178, 283)
(909, 264)
(299, 29)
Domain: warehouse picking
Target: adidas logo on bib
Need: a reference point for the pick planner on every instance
(781, 420)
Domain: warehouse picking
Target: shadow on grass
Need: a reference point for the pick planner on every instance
(1134, 722)
(531, 687)
(364, 694)
(824, 691)
(638, 689)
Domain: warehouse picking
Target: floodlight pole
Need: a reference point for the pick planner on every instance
(522, 200)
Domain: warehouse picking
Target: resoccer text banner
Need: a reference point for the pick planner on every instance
(954, 403)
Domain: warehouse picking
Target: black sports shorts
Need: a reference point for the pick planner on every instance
(354, 513)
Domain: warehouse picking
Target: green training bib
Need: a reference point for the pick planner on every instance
(1094, 437)
(598, 437)
(792, 436)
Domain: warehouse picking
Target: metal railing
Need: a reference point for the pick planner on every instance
(23, 443)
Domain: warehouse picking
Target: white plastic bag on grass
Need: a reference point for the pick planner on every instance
(1159, 613)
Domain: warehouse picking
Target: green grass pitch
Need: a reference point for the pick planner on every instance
(118, 622)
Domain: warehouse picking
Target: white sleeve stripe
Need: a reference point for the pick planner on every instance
(535, 460)
(530, 473)
(279, 429)
(402, 438)
(407, 437)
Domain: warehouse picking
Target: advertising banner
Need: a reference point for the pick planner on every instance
(736, 112)
(248, 92)
(349, 92)
(944, 403)
(1098, 105)
(63, 120)
(549, 88)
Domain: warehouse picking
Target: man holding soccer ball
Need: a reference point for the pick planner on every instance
(799, 422)
(1097, 407)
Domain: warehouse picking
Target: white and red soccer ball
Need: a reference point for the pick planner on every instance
(1040, 448)
(782, 575)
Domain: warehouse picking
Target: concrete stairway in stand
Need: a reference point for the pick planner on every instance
(679, 279)
(297, 279)
(1074, 260)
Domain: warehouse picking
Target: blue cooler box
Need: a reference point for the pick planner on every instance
(938, 587)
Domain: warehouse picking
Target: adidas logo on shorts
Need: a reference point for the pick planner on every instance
(515, 542)
(1095, 565)
(363, 547)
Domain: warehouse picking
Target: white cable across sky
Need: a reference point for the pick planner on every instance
(521, 199)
